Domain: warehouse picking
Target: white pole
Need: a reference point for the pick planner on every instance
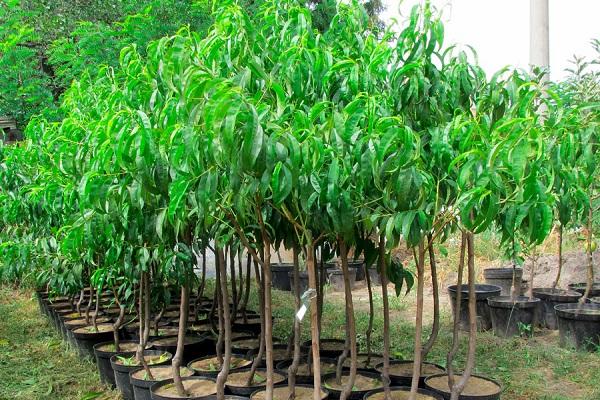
(539, 42)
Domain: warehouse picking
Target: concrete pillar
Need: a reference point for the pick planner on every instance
(539, 42)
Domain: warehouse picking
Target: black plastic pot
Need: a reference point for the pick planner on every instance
(252, 325)
(141, 387)
(105, 370)
(359, 266)
(86, 340)
(374, 276)
(279, 354)
(282, 368)
(552, 297)
(580, 287)
(482, 293)
(595, 300)
(213, 374)
(513, 318)
(194, 346)
(579, 325)
(246, 391)
(189, 379)
(503, 277)
(337, 344)
(303, 276)
(406, 379)
(424, 392)
(279, 276)
(286, 393)
(336, 279)
(355, 394)
(122, 372)
(445, 393)
(227, 397)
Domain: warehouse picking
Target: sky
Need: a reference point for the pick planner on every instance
(499, 29)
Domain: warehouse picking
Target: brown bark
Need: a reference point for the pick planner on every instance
(240, 279)
(261, 345)
(436, 301)
(314, 321)
(371, 315)
(386, 315)
(457, 307)
(219, 306)
(590, 256)
(80, 301)
(351, 323)
(247, 290)
(234, 292)
(417, 362)
(144, 317)
(96, 311)
(268, 315)
(560, 256)
(89, 306)
(293, 369)
(117, 326)
(460, 385)
(157, 319)
(226, 312)
(178, 358)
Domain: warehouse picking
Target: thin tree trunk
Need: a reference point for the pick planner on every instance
(178, 358)
(80, 301)
(234, 292)
(117, 326)
(351, 323)
(386, 315)
(460, 385)
(560, 256)
(293, 369)
(96, 311)
(240, 278)
(314, 321)
(224, 373)
(457, 307)
(268, 316)
(321, 278)
(371, 315)
(157, 319)
(532, 275)
(247, 290)
(436, 301)
(261, 345)
(144, 304)
(89, 306)
(417, 362)
(590, 255)
(219, 303)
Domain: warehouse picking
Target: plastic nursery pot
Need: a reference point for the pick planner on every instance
(329, 348)
(359, 266)
(513, 317)
(302, 392)
(477, 387)
(482, 293)
(336, 279)
(303, 280)
(68, 324)
(86, 337)
(209, 365)
(595, 300)
(579, 325)
(503, 277)
(304, 376)
(279, 276)
(279, 354)
(236, 381)
(198, 387)
(364, 362)
(194, 346)
(580, 287)
(552, 297)
(401, 372)
(123, 365)
(252, 324)
(401, 393)
(104, 351)
(141, 384)
(365, 382)
(374, 276)
(244, 344)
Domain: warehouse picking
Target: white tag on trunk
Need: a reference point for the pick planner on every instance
(301, 312)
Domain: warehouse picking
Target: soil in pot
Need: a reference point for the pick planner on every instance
(209, 365)
(477, 387)
(304, 374)
(329, 348)
(336, 279)
(87, 336)
(141, 384)
(122, 365)
(580, 287)
(303, 276)
(74, 323)
(401, 372)
(236, 381)
(363, 362)
(579, 325)
(244, 344)
(364, 382)
(279, 276)
(402, 393)
(279, 353)
(549, 298)
(104, 351)
(503, 277)
(301, 392)
(193, 346)
(482, 293)
(513, 317)
(197, 387)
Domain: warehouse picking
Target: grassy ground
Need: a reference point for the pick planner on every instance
(34, 362)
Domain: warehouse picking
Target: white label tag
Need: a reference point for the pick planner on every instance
(301, 312)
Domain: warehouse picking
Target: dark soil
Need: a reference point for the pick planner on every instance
(212, 364)
(302, 393)
(161, 373)
(361, 383)
(239, 379)
(475, 386)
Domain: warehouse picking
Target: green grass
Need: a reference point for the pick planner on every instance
(34, 362)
